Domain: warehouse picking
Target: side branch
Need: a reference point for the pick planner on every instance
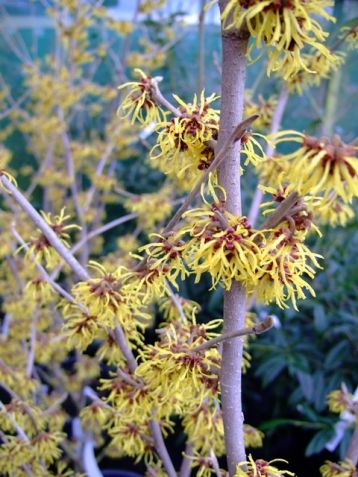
(236, 135)
(51, 236)
(258, 329)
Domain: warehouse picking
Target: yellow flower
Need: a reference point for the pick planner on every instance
(285, 258)
(96, 415)
(332, 210)
(350, 36)
(285, 27)
(170, 311)
(273, 171)
(252, 149)
(46, 446)
(317, 67)
(203, 463)
(323, 166)
(151, 208)
(339, 400)
(345, 468)
(14, 453)
(167, 251)
(264, 108)
(289, 64)
(39, 289)
(221, 244)
(140, 103)
(205, 428)
(149, 5)
(107, 299)
(82, 328)
(41, 247)
(260, 468)
(182, 142)
(174, 371)
(252, 436)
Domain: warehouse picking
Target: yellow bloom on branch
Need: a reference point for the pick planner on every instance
(339, 400)
(284, 26)
(182, 144)
(152, 208)
(41, 247)
(261, 468)
(175, 372)
(345, 468)
(222, 244)
(140, 103)
(324, 165)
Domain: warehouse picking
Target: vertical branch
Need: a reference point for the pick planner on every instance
(331, 104)
(234, 45)
(275, 126)
(201, 52)
(352, 451)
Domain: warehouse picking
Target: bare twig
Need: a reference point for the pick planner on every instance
(258, 329)
(161, 448)
(280, 213)
(42, 271)
(185, 468)
(45, 229)
(275, 126)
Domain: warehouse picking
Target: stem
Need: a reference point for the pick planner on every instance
(224, 152)
(261, 327)
(352, 452)
(45, 229)
(160, 99)
(185, 468)
(161, 448)
(275, 126)
(331, 103)
(234, 47)
(201, 53)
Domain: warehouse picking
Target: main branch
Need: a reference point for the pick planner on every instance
(234, 45)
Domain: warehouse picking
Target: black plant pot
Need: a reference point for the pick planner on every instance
(120, 473)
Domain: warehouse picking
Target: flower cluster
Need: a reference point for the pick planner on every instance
(182, 149)
(173, 364)
(344, 468)
(140, 103)
(222, 244)
(41, 248)
(270, 262)
(151, 208)
(340, 400)
(286, 27)
(101, 304)
(260, 468)
(323, 170)
(322, 165)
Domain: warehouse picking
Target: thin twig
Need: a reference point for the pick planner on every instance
(31, 356)
(280, 213)
(220, 156)
(185, 468)
(160, 99)
(42, 270)
(215, 463)
(161, 448)
(275, 126)
(51, 236)
(258, 329)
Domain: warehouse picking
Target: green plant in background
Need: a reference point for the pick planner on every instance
(82, 375)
